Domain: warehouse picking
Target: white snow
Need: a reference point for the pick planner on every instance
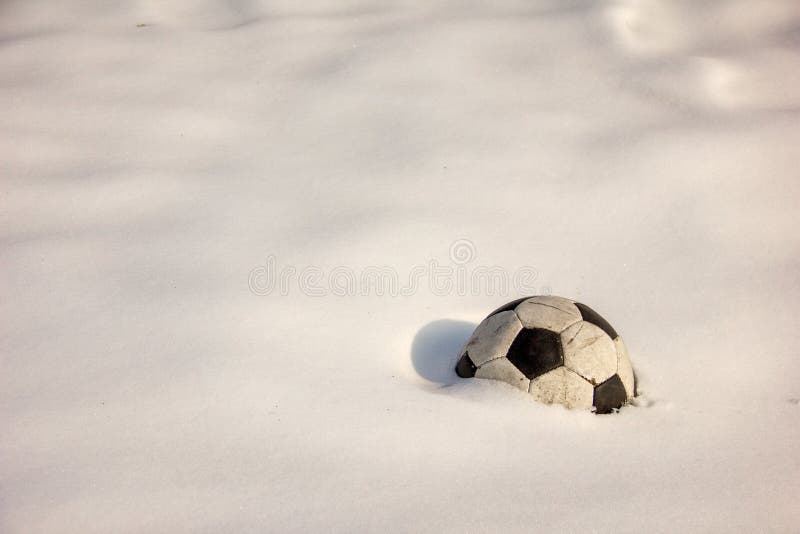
(640, 155)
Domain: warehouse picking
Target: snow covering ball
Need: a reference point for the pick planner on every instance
(554, 348)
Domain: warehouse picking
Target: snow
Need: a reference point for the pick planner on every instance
(641, 156)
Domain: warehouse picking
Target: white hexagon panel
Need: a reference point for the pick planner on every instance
(505, 371)
(624, 367)
(563, 386)
(493, 337)
(549, 313)
(589, 352)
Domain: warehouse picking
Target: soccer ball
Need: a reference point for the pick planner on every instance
(558, 350)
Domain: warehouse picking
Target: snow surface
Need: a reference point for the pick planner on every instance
(641, 155)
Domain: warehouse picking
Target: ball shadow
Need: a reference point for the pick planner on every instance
(436, 347)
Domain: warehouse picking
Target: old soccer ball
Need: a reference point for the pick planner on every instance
(558, 350)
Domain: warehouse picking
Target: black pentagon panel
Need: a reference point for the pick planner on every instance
(510, 306)
(610, 395)
(465, 368)
(591, 316)
(536, 351)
